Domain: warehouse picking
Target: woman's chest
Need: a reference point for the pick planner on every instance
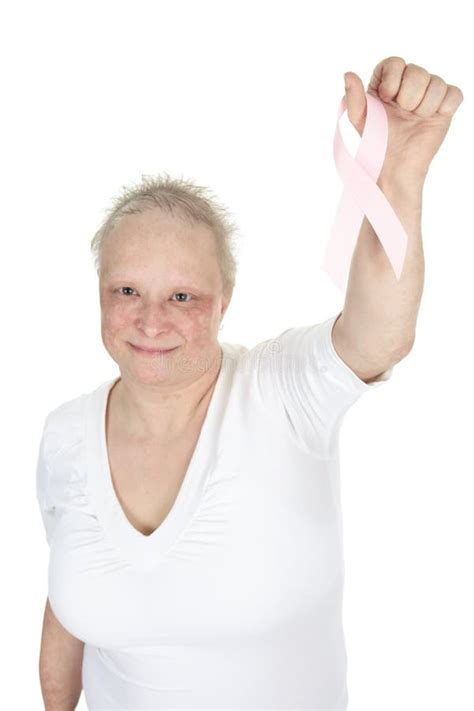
(147, 475)
(261, 550)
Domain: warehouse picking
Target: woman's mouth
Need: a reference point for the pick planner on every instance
(151, 352)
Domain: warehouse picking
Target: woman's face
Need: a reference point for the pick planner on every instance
(160, 287)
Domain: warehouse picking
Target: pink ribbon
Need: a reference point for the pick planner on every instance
(362, 196)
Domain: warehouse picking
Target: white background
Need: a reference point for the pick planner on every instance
(243, 97)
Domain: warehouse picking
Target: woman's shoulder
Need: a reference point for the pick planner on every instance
(64, 424)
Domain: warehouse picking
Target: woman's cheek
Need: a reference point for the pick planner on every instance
(117, 316)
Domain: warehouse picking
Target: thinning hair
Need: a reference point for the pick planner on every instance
(182, 199)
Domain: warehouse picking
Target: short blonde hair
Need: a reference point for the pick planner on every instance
(181, 198)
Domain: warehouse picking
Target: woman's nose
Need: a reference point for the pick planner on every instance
(153, 318)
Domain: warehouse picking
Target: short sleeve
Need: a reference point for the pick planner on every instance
(314, 385)
(42, 487)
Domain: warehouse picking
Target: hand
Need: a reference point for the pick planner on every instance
(419, 108)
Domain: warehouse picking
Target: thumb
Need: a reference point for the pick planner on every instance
(356, 101)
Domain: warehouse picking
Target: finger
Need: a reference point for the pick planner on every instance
(433, 97)
(356, 101)
(386, 77)
(415, 81)
(453, 98)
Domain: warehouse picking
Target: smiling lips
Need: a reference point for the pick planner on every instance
(152, 351)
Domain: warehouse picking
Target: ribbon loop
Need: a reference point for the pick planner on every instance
(362, 196)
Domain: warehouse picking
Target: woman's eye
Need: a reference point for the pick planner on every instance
(125, 287)
(181, 293)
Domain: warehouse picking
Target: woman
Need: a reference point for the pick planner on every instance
(191, 503)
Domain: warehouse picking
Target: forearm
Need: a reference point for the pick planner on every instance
(378, 306)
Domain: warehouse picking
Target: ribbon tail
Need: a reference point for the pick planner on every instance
(343, 239)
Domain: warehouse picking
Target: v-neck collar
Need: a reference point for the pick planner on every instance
(117, 528)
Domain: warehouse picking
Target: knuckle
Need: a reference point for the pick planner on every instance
(436, 79)
(416, 69)
(457, 91)
(395, 60)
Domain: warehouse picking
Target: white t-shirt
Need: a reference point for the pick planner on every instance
(234, 602)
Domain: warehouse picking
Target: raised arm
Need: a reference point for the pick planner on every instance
(377, 326)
